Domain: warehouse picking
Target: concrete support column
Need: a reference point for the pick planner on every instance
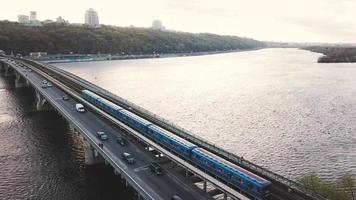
(2, 66)
(8, 71)
(204, 186)
(71, 128)
(92, 157)
(41, 103)
(20, 81)
(225, 196)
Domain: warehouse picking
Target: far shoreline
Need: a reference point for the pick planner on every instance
(73, 58)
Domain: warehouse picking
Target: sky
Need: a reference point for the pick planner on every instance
(330, 21)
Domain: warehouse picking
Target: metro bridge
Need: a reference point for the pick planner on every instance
(181, 177)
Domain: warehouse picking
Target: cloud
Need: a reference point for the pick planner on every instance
(326, 27)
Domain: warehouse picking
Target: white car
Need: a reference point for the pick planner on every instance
(102, 136)
(79, 107)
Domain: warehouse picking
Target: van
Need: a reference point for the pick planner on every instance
(79, 107)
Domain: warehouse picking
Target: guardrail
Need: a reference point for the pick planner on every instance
(187, 134)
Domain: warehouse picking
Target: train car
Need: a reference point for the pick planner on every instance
(171, 141)
(242, 179)
(89, 96)
(134, 121)
(102, 103)
(110, 107)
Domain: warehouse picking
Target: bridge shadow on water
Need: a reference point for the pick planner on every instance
(42, 158)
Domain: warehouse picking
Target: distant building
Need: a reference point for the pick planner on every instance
(92, 18)
(157, 25)
(60, 20)
(23, 19)
(29, 21)
(33, 16)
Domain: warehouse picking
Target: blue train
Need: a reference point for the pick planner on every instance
(236, 176)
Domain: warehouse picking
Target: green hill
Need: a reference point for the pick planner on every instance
(108, 39)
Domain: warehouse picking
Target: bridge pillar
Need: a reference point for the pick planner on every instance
(204, 186)
(41, 103)
(2, 66)
(225, 196)
(20, 81)
(8, 71)
(72, 129)
(92, 157)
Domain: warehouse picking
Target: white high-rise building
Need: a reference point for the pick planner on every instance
(33, 16)
(23, 19)
(92, 18)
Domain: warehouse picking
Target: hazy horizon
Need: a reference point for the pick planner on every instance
(324, 21)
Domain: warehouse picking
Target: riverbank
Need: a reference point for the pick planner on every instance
(335, 54)
(71, 58)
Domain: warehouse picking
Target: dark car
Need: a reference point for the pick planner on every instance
(156, 168)
(121, 141)
(128, 158)
(65, 98)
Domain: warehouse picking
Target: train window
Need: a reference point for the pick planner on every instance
(249, 186)
(239, 180)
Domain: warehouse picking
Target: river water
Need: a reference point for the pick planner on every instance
(275, 107)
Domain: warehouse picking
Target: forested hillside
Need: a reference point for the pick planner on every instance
(56, 38)
(335, 54)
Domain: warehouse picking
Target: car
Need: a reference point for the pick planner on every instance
(176, 197)
(79, 107)
(49, 84)
(102, 135)
(156, 168)
(43, 81)
(121, 141)
(128, 158)
(43, 85)
(65, 98)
